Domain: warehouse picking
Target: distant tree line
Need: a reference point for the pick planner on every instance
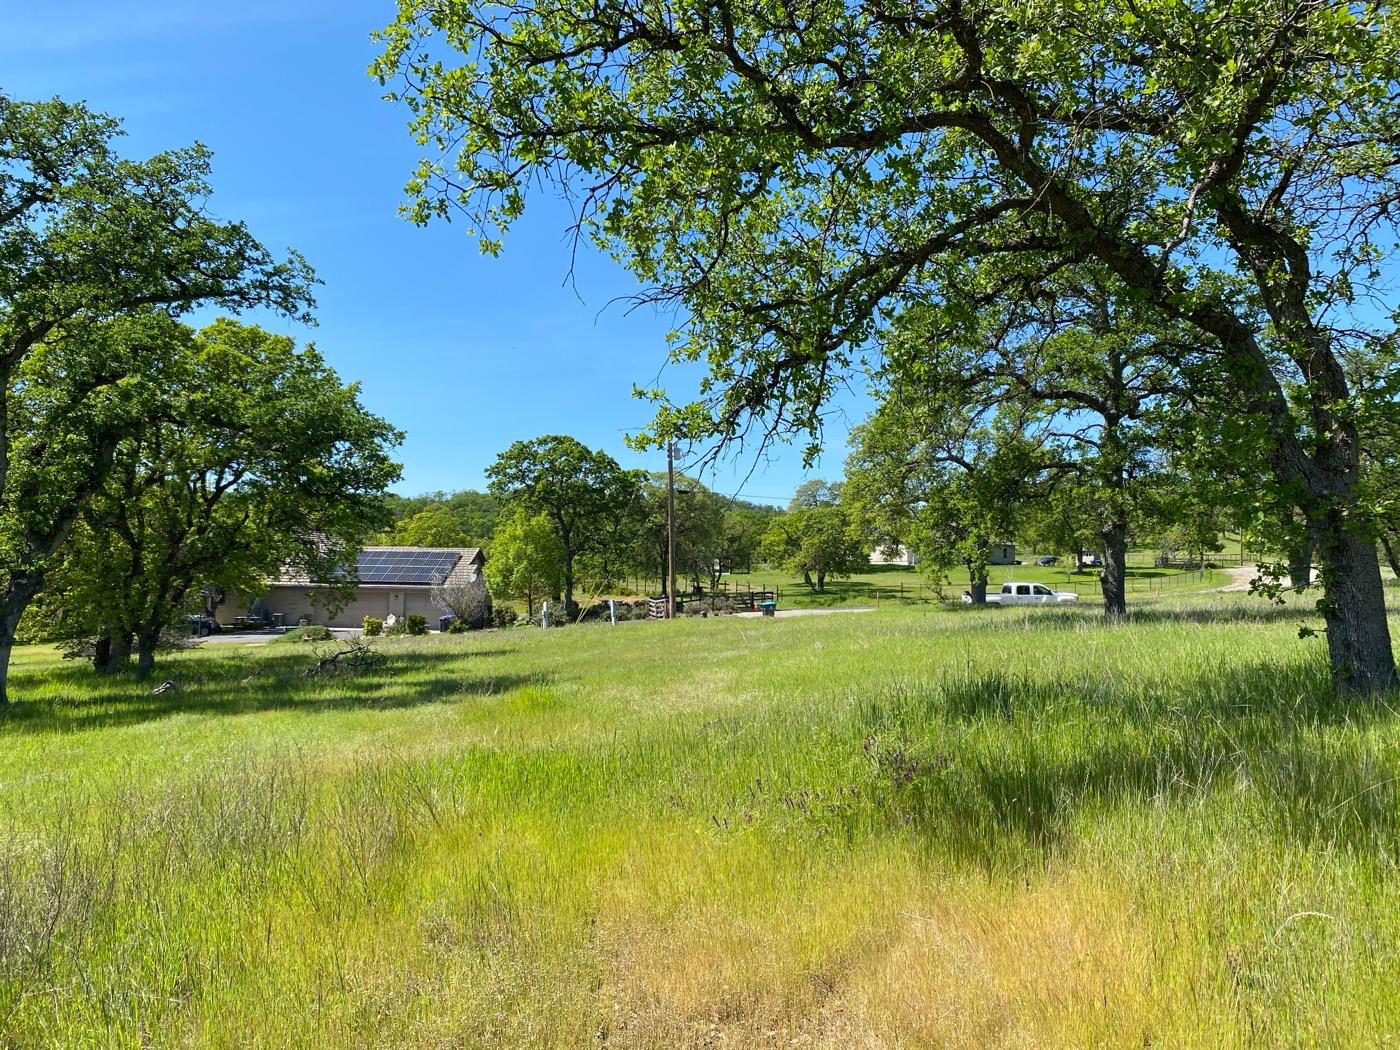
(948, 472)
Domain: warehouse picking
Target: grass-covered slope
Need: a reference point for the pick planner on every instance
(903, 828)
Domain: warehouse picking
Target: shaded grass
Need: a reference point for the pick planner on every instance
(913, 827)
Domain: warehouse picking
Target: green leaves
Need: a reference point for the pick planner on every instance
(254, 459)
(98, 256)
(816, 542)
(527, 559)
(794, 181)
(577, 489)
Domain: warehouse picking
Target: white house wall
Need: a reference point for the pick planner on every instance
(294, 603)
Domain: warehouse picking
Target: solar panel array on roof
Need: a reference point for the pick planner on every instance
(417, 566)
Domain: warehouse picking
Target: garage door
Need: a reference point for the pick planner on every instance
(421, 602)
(365, 603)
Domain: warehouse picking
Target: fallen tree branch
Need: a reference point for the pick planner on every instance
(352, 657)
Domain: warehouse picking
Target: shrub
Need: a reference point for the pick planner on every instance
(503, 616)
(373, 625)
(413, 623)
(467, 600)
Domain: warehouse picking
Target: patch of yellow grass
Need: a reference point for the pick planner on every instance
(866, 952)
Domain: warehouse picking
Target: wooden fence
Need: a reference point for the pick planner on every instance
(717, 602)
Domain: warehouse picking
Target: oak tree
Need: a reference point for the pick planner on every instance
(817, 543)
(260, 461)
(792, 177)
(576, 488)
(92, 247)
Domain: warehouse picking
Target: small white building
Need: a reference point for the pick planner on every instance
(1003, 554)
(900, 555)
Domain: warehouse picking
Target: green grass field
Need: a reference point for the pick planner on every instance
(912, 827)
(896, 583)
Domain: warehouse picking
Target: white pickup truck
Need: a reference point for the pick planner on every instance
(1016, 593)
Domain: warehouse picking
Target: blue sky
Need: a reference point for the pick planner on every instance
(464, 353)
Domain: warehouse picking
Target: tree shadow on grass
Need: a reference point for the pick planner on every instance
(230, 685)
(1005, 767)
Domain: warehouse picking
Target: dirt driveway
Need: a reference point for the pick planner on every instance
(1239, 578)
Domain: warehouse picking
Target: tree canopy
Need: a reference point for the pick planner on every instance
(437, 526)
(794, 178)
(262, 460)
(527, 560)
(817, 543)
(576, 488)
(948, 479)
(700, 529)
(467, 515)
(97, 254)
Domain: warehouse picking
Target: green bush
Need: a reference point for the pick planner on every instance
(373, 625)
(503, 616)
(413, 623)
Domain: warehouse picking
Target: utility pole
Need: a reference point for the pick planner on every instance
(670, 530)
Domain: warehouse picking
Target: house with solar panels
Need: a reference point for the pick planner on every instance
(393, 580)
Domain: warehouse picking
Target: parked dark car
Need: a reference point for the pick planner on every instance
(202, 626)
(1047, 559)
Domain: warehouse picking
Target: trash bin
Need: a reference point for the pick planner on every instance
(444, 622)
(768, 608)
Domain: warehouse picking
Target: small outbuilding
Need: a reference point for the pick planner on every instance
(1003, 554)
(392, 580)
(900, 555)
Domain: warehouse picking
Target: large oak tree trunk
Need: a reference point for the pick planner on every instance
(9, 624)
(146, 641)
(118, 651)
(23, 587)
(6, 646)
(1113, 581)
(102, 654)
(1300, 566)
(1358, 637)
(978, 590)
(1300, 561)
